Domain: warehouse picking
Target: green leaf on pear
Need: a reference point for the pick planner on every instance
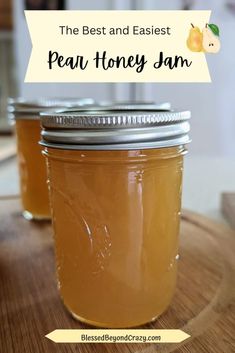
(214, 28)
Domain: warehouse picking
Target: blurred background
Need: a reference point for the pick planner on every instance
(210, 164)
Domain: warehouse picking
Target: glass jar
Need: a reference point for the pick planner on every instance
(32, 166)
(115, 187)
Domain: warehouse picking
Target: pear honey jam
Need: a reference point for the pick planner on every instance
(32, 166)
(115, 181)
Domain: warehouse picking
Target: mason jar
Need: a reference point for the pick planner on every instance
(32, 166)
(115, 180)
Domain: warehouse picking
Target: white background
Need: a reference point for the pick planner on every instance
(212, 104)
(210, 165)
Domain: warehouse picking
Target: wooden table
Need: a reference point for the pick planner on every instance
(30, 307)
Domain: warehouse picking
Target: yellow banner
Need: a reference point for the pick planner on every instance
(120, 46)
(117, 336)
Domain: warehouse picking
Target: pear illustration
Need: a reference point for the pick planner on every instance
(194, 41)
(210, 41)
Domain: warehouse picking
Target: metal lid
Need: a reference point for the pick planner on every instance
(114, 130)
(136, 105)
(65, 116)
(35, 106)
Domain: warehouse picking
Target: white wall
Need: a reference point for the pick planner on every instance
(212, 105)
(98, 91)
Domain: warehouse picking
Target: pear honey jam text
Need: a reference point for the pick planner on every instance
(103, 61)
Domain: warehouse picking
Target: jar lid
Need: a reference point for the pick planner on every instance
(136, 105)
(35, 106)
(114, 129)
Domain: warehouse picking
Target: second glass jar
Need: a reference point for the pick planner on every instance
(32, 166)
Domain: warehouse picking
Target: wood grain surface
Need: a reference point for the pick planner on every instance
(30, 307)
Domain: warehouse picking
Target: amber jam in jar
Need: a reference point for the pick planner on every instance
(115, 188)
(32, 166)
(32, 170)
